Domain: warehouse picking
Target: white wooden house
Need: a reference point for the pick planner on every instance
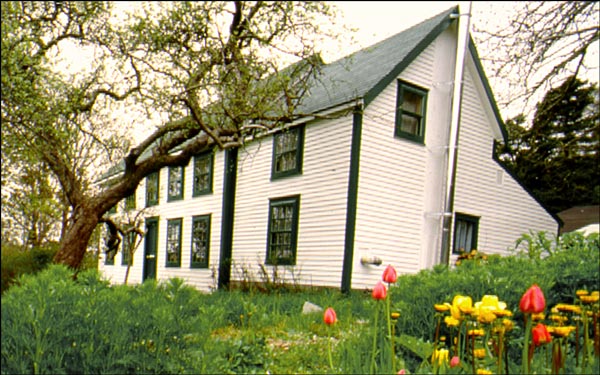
(327, 199)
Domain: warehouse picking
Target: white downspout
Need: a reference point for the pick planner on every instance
(461, 51)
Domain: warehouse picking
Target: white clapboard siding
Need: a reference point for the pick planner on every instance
(322, 187)
(186, 209)
(483, 188)
(398, 177)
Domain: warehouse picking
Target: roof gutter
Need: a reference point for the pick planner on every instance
(461, 51)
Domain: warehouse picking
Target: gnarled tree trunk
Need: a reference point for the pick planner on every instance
(77, 235)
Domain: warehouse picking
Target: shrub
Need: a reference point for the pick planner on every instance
(17, 261)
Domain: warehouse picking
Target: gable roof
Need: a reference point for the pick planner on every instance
(365, 73)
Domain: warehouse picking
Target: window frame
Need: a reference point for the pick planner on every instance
(179, 195)
(420, 117)
(294, 201)
(299, 151)
(195, 219)
(152, 202)
(470, 219)
(209, 188)
(170, 223)
(126, 247)
(130, 202)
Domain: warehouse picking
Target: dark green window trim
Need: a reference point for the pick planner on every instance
(288, 148)
(128, 242)
(411, 107)
(282, 235)
(466, 228)
(175, 184)
(174, 243)
(203, 174)
(152, 185)
(130, 202)
(200, 241)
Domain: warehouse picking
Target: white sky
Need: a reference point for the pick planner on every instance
(377, 20)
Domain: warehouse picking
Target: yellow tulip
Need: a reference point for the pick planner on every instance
(461, 305)
(489, 308)
(508, 324)
(569, 308)
(440, 356)
(451, 322)
(479, 353)
(590, 299)
(476, 332)
(561, 331)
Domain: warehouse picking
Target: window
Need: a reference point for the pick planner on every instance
(200, 241)
(109, 249)
(174, 243)
(410, 112)
(287, 152)
(175, 190)
(203, 167)
(152, 189)
(283, 231)
(465, 233)
(130, 202)
(128, 247)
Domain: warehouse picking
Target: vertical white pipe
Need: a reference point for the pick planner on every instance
(461, 51)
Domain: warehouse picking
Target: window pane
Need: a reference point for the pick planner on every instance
(202, 174)
(173, 242)
(175, 182)
(282, 232)
(412, 102)
(152, 189)
(286, 151)
(200, 241)
(410, 125)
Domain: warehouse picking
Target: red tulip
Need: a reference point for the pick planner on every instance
(533, 300)
(329, 317)
(541, 335)
(379, 292)
(389, 274)
(455, 361)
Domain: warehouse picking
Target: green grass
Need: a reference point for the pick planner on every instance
(52, 324)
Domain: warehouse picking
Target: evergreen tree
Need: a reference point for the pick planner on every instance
(556, 158)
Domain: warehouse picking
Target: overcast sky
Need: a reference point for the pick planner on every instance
(377, 20)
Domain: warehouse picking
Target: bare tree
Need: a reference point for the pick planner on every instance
(204, 74)
(538, 47)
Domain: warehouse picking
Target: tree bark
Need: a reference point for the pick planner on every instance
(74, 244)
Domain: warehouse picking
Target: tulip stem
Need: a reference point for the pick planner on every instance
(375, 329)
(525, 357)
(389, 324)
(329, 352)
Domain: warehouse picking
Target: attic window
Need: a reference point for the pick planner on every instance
(287, 152)
(410, 112)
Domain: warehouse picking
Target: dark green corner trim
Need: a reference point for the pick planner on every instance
(352, 200)
(227, 217)
(391, 76)
(486, 86)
